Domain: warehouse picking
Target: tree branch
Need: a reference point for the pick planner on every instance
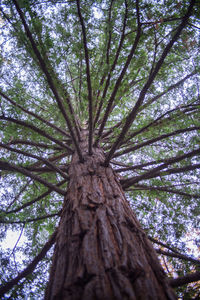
(155, 122)
(58, 81)
(133, 180)
(42, 170)
(51, 158)
(30, 220)
(46, 161)
(131, 117)
(33, 114)
(89, 86)
(19, 194)
(170, 88)
(11, 167)
(156, 171)
(165, 189)
(120, 78)
(43, 195)
(152, 141)
(40, 145)
(49, 79)
(30, 268)
(109, 34)
(40, 131)
(163, 245)
(140, 166)
(113, 65)
(180, 256)
(175, 282)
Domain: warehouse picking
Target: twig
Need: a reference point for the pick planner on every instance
(29, 269)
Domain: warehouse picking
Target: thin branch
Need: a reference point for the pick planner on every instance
(140, 166)
(155, 51)
(176, 282)
(47, 162)
(20, 235)
(43, 170)
(40, 145)
(11, 167)
(70, 106)
(19, 193)
(155, 122)
(165, 189)
(49, 79)
(120, 78)
(170, 88)
(80, 67)
(138, 131)
(51, 158)
(30, 220)
(179, 170)
(180, 256)
(89, 86)
(156, 171)
(152, 141)
(55, 76)
(101, 64)
(131, 117)
(33, 114)
(113, 65)
(161, 20)
(190, 24)
(127, 183)
(109, 34)
(163, 245)
(43, 195)
(34, 128)
(126, 89)
(30, 268)
(166, 266)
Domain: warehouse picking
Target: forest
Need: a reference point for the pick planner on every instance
(100, 149)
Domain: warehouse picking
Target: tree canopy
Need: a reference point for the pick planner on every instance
(128, 71)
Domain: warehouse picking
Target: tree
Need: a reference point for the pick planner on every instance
(99, 117)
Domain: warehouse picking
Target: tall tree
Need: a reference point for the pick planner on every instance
(99, 125)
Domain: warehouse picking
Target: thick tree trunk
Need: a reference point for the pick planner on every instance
(101, 252)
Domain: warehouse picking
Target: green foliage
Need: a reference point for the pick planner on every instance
(166, 202)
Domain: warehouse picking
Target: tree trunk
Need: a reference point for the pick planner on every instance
(101, 252)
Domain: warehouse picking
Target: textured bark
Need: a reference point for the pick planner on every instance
(101, 251)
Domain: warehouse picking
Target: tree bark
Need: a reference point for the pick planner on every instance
(101, 252)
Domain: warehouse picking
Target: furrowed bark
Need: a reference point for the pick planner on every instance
(101, 251)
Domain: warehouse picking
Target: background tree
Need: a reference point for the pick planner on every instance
(116, 83)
